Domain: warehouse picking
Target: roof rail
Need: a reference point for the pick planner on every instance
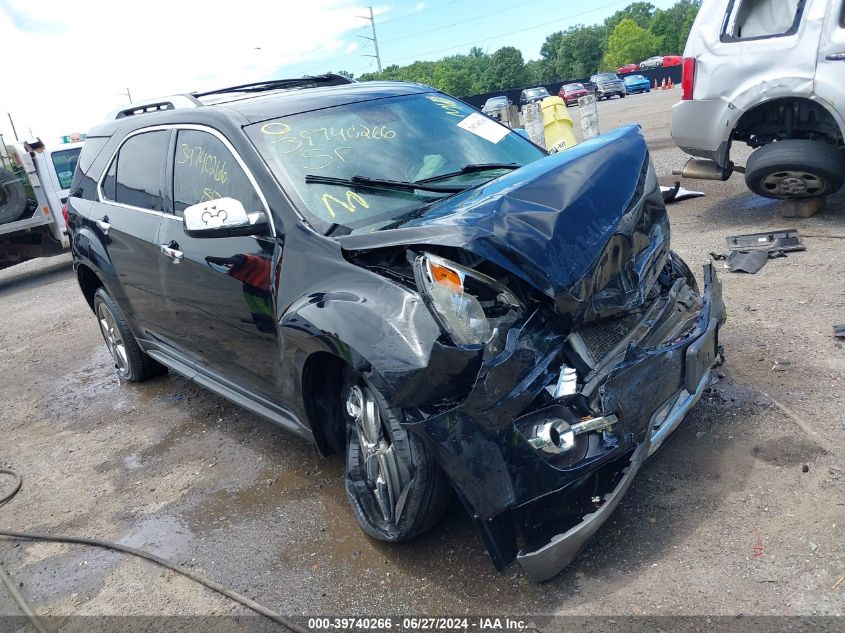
(307, 81)
(173, 102)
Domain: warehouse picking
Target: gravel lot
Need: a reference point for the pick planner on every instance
(722, 521)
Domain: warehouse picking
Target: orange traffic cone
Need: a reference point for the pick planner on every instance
(655, 83)
(663, 85)
(671, 85)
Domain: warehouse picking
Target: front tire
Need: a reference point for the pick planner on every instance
(396, 488)
(130, 362)
(795, 169)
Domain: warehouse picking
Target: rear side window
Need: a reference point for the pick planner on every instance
(92, 148)
(138, 171)
(758, 19)
(204, 169)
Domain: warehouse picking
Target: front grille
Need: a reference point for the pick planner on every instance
(601, 337)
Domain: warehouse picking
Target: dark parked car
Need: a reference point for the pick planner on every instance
(570, 93)
(493, 106)
(530, 95)
(606, 85)
(636, 83)
(385, 271)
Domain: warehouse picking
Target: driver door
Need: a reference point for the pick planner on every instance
(218, 290)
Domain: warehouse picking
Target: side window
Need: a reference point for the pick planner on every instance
(756, 19)
(204, 169)
(139, 171)
(108, 181)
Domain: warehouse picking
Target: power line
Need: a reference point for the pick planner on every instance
(528, 28)
(449, 26)
(324, 64)
(416, 13)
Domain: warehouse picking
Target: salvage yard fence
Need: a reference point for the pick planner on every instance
(652, 74)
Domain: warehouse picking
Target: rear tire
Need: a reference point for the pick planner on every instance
(795, 169)
(130, 362)
(393, 482)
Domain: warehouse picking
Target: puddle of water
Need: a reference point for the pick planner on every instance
(165, 536)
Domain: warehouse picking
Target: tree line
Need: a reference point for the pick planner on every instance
(630, 35)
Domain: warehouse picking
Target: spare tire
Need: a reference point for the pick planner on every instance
(12, 197)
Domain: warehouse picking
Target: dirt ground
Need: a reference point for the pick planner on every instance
(742, 512)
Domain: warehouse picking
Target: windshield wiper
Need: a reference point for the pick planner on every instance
(471, 169)
(376, 183)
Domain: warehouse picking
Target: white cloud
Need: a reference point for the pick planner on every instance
(419, 6)
(72, 60)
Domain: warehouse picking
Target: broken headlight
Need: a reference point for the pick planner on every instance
(471, 307)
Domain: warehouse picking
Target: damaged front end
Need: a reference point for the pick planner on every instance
(591, 338)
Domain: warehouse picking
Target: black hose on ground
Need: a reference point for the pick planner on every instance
(118, 547)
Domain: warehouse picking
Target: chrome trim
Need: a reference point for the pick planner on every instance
(182, 126)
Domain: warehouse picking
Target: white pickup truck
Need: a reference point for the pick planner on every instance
(34, 183)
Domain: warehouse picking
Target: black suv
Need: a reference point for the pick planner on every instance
(391, 274)
(605, 85)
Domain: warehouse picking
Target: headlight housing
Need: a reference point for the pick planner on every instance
(471, 307)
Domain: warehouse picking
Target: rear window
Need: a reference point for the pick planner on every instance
(758, 19)
(573, 87)
(607, 77)
(64, 162)
(136, 176)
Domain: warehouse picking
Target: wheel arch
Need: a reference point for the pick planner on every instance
(789, 117)
(89, 282)
(322, 381)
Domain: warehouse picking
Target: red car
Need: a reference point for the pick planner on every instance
(570, 93)
(671, 60)
(628, 68)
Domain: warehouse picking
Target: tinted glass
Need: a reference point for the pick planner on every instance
(141, 165)
(64, 162)
(400, 138)
(573, 87)
(607, 77)
(108, 181)
(204, 169)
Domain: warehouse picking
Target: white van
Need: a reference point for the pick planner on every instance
(769, 73)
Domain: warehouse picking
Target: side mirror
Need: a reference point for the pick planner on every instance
(223, 217)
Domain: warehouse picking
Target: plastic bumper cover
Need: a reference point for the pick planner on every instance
(700, 356)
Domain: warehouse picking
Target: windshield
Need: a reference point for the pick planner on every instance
(497, 101)
(533, 92)
(64, 162)
(608, 77)
(407, 138)
(571, 87)
(634, 78)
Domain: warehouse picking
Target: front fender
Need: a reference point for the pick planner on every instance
(386, 333)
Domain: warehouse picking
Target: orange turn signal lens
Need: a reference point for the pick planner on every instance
(446, 276)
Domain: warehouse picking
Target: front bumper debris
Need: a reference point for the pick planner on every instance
(692, 367)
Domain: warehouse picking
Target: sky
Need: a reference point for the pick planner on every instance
(68, 63)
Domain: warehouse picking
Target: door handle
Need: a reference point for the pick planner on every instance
(103, 224)
(836, 57)
(172, 251)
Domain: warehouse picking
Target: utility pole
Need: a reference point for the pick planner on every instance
(12, 123)
(374, 38)
(128, 95)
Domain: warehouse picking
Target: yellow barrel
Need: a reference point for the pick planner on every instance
(557, 125)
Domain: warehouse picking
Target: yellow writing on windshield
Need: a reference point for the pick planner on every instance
(352, 199)
(448, 105)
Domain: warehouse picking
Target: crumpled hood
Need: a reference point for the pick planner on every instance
(586, 227)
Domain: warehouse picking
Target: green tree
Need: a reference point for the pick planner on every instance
(580, 51)
(507, 70)
(673, 25)
(629, 43)
(640, 12)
